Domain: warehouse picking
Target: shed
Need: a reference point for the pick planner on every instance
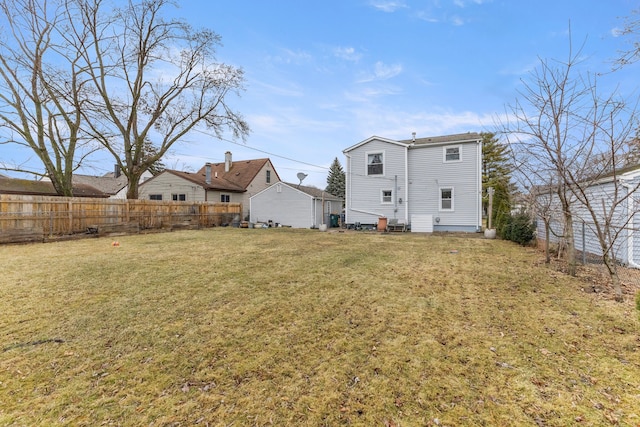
(294, 205)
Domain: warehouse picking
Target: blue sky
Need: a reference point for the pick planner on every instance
(324, 75)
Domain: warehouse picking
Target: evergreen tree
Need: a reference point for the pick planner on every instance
(496, 173)
(336, 180)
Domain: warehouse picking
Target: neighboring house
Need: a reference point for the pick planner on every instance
(430, 184)
(44, 188)
(227, 182)
(112, 183)
(294, 205)
(626, 219)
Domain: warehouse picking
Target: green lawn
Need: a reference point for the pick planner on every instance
(286, 327)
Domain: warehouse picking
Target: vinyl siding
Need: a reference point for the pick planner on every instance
(585, 233)
(258, 184)
(364, 203)
(428, 173)
(287, 207)
(168, 184)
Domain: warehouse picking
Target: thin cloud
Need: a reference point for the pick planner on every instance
(347, 53)
(289, 56)
(457, 21)
(381, 71)
(388, 6)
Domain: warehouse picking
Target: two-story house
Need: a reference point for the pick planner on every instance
(430, 184)
(227, 182)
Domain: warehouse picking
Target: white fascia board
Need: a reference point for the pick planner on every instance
(374, 138)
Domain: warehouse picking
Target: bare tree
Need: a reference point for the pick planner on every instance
(41, 92)
(543, 125)
(629, 31)
(154, 80)
(572, 139)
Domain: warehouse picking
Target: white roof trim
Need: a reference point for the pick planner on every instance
(375, 138)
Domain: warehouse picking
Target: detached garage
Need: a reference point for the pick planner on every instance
(294, 205)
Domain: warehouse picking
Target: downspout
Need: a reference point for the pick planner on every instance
(630, 260)
(348, 190)
(406, 183)
(479, 185)
(395, 196)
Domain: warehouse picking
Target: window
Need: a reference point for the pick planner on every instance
(446, 199)
(225, 198)
(268, 177)
(155, 196)
(386, 196)
(452, 154)
(375, 163)
(178, 197)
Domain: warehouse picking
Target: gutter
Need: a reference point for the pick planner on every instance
(630, 260)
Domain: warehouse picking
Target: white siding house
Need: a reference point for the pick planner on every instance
(294, 205)
(625, 225)
(434, 180)
(224, 182)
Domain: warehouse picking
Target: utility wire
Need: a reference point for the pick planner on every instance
(262, 151)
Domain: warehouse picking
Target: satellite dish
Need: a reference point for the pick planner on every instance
(301, 176)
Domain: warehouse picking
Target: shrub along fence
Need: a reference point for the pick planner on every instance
(33, 218)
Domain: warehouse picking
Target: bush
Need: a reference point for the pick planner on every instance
(517, 228)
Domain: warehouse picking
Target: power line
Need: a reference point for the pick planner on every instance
(261, 151)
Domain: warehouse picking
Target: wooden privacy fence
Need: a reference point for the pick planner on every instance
(54, 216)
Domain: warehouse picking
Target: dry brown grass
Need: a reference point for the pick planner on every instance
(301, 328)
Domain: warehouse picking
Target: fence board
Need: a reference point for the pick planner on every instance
(69, 215)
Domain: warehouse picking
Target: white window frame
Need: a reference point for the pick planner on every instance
(440, 199)
(382, 201)
(366, 162)
(155, 196)
(444, 154)
(278, 188)
(176, 197)
(227, 196)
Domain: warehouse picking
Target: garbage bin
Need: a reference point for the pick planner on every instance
(382, 223)
(334, 220)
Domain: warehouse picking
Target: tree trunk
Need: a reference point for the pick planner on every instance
(547, 230)
(613, 275)
(571, 247)
(132, 189)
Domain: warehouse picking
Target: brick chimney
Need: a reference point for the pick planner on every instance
(227, 161)
(207, 173)
(116, 171)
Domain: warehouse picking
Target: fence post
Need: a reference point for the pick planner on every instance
(50, 223)
(584, 246)
(70, 207)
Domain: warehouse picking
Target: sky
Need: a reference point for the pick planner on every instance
(321, 76)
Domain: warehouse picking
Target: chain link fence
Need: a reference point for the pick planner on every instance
(589, 253)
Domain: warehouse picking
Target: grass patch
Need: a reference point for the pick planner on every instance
(297, 327)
